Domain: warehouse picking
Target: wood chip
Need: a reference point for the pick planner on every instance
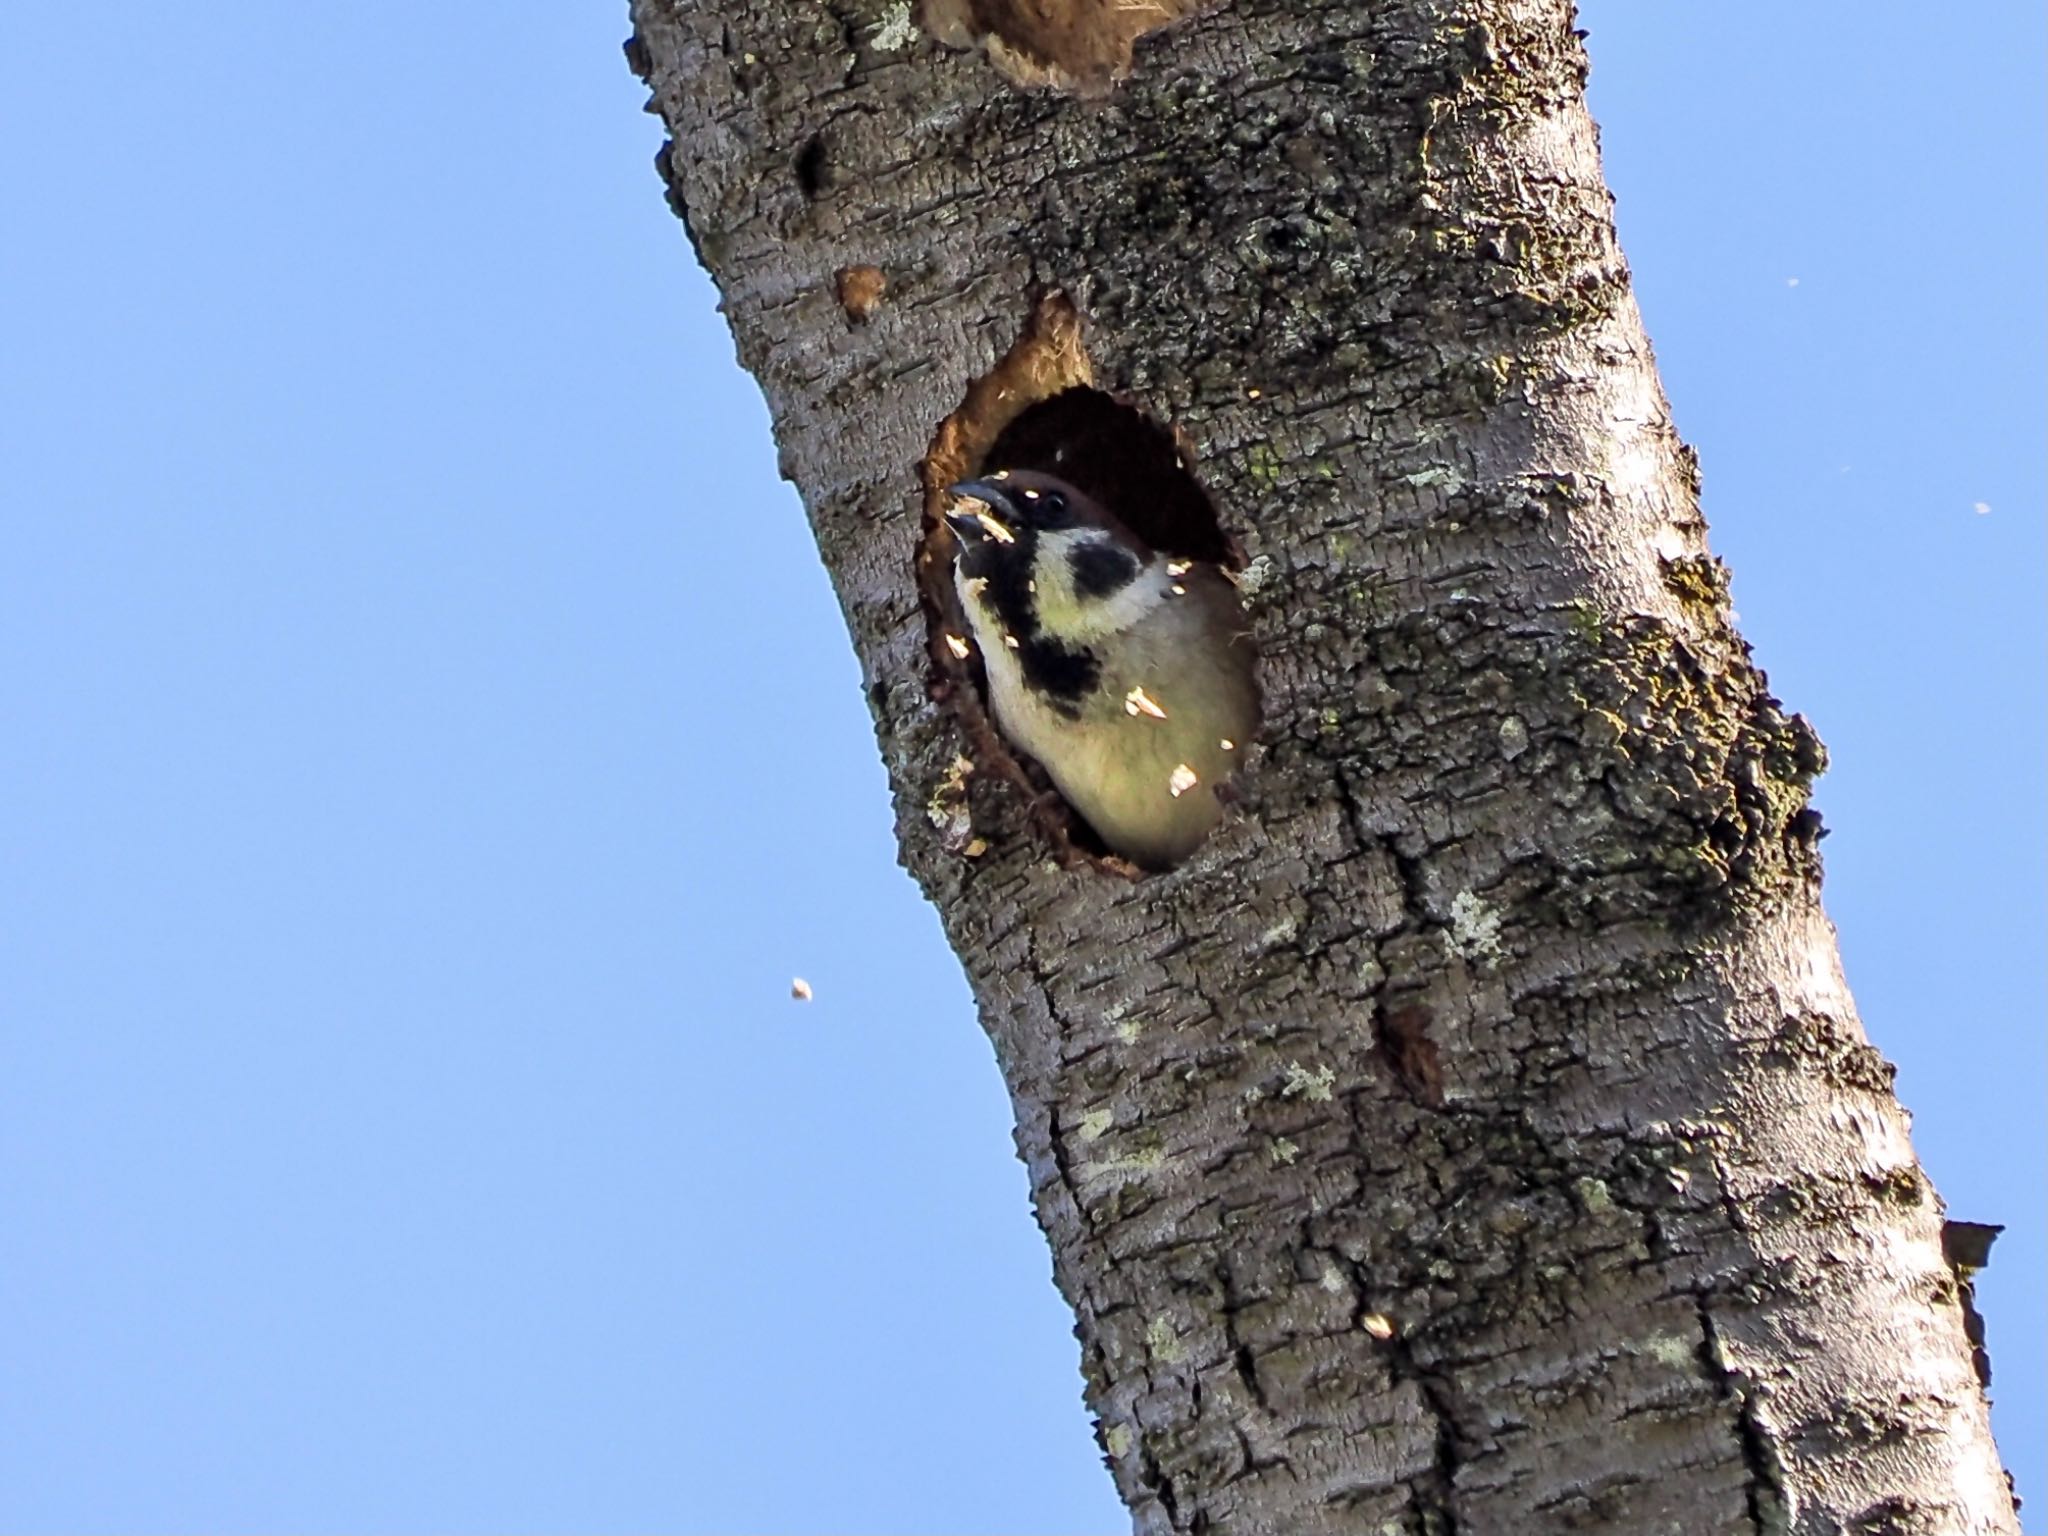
(1139, 702)
(860, 291)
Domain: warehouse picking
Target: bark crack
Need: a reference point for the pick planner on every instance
(1764, 1487)
(1433, 1495)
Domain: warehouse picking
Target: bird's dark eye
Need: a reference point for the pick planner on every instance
(1048, 509)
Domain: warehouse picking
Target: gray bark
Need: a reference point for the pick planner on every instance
(1477, 1134)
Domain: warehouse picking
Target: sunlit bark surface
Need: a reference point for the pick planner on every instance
(1476, 1135)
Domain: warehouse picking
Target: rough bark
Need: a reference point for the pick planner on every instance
(1477, 1135)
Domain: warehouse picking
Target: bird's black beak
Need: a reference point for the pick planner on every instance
(970, 524)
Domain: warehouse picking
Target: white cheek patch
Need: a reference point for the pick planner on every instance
(1068, 608)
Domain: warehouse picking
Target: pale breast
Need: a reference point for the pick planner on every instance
(1173, 708)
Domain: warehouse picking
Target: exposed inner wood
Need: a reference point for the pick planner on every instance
(1082, 46)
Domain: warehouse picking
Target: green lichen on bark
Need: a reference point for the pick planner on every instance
(1708, 778)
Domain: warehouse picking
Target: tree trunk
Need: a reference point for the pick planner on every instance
(1477, 1134)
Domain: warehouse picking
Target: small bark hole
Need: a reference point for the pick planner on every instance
(1405, 1046)
(813, 167)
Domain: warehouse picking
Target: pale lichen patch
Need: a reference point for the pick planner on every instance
(1313, 1085)
(1094, 1123)
(1143, 1161)
(898, 29)
(1674, 1350)
(1163, 1340)
(1255, 575)
(1475, 928)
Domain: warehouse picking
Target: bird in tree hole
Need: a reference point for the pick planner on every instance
(1126, 673)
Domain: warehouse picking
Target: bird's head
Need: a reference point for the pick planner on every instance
(1047, 558)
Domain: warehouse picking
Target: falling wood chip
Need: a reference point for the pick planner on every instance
(1139, 702)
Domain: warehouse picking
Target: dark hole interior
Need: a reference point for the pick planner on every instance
(812, 167)
(1125, 460)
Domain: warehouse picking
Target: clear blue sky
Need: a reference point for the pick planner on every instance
(404, 1123)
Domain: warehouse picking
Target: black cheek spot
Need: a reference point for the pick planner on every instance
(1063, 677)
(1101, 569)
